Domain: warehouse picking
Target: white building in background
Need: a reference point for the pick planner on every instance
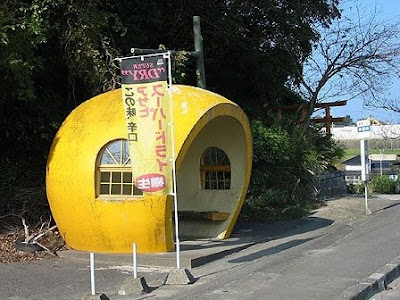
(377, 132)
(377, 164)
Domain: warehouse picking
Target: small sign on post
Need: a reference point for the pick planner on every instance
(364, 132)
(364, 129)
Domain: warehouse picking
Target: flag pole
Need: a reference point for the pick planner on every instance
(174, 193)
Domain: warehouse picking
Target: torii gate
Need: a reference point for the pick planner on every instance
(303, 108)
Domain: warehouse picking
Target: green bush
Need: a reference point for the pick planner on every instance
(396, 186)
(286, 161)
(357, 189)
(382, 184)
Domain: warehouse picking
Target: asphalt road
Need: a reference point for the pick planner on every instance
(315, 259)
(320, 264)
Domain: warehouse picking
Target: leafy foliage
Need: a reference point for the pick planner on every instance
(357, 189)
(285, 162)
(246, 43)
(54, 55)
(382, 184)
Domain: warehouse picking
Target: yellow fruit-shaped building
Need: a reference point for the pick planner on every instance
(89, 176)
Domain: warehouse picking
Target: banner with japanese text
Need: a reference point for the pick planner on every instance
(145, 98)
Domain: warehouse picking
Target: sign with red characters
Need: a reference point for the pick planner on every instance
(147, 115)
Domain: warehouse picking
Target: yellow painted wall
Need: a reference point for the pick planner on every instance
(90, 223)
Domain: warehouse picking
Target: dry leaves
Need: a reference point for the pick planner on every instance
(8, 253)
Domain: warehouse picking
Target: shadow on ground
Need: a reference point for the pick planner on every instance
(270, 251)
(279, 229)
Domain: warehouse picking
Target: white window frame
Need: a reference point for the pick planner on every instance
(120, 164)
(216, 176)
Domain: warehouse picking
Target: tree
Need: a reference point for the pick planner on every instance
(245, 42)
(53, 56)
(387, 103)
(355, 57)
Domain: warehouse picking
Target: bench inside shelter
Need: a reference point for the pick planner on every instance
(203, 215)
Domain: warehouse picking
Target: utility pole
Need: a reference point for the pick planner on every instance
(196, 54)
(198, 48)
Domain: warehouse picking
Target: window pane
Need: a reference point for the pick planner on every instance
(136, 191)
(104, 189)
(105, 176)
(220, 155)
(115, 156)
(116, 189)
(208, 158)
(227, 185)
(216, 180)
(127, 177)
(213, 162)
(127, 189)
(106, 159)
(115, 149)
(125, 151)
(207, 185)
(213, 185)
(215, 157)
(116, 177)
(220, 175)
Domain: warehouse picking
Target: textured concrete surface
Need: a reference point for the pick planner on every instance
(336, 253)
(193, 254)
(180, 277)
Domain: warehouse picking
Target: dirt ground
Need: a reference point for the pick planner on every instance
(9, 254)
(351, 209)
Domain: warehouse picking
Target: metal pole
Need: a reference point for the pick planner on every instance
(92, 279)
(174, 193)
(140, 51)
(134, 260)
(367, 211)
(198, 47)
(364, 171)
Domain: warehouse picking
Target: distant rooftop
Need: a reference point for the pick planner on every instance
(356, 160)
(377, 132)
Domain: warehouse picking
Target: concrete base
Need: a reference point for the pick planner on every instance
(179, 277)
(134, 286)
(96, 297)
(194, 253)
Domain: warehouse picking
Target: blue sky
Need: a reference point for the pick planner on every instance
(388, 9)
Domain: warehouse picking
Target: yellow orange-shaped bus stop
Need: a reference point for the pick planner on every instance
(89, 181)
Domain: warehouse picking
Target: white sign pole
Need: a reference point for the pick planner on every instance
(177, 242)
(134, 260)
(365, 171)
(367, 211)
(364, 132)
(92, 279)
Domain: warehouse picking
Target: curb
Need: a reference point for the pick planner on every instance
(374, 283)
(189, 260)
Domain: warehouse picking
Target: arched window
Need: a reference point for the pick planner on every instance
(215, 170)
(114, 171)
